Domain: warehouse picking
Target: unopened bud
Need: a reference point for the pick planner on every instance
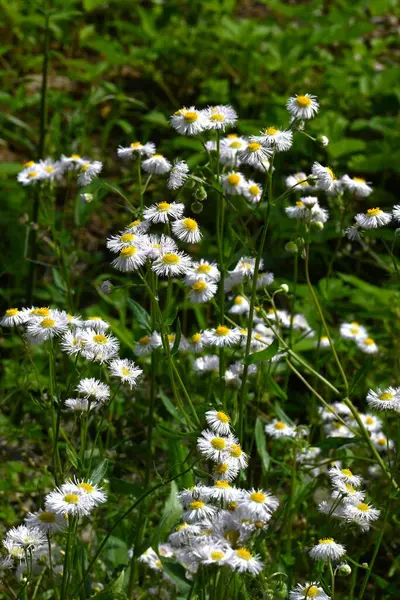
(317, 225)
(299, 125)
(197, 207)
(285, 288)
(322, 140)
(87, 198)
(344, 570)
(291, 247)
(397, 232)
(364, 565)
(106, 287)
(200, 194)
(311, 179)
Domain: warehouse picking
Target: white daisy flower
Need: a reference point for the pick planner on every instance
(327, 549)
(156, 165)
(155, 245)
(353, 331)
(95, 322)
(381, 442)
(235, 456)
(229, 148)
(189, 121)
(202, 291)
(223, 336)
(161, 212)
(344, 475)
(129, 259)
(241, 306)
(311, 591)
(258, 504)
(347, 492)
(195, 343)
(246, 266)
(213, 446)
(302, 107)
(137, 227)
(12, 317)
(264, 279)
(299, 181)
(126, 370)
(116, 243)
(252, 191)
(42, 329)
(220, 116)
(353, 233)
(151, 559)
(357, 186)
(27, 538)
(93, 388)
(396, 212)
(371, 423)
(88, 171)
(91, 492)
(243, 561)
(183, 533)
(67, 500)
(387, 399)
(178, 175)
(72, 343)
(373, 218)
(207, 363)
(233, 183)
(136, 149)
(275, 138)
(50, 169)
(213, 554)
(198, 511)
(146, 344)
(187, 230)
(323, 342)
(254, 154)
(46, 521)
(99, 347)
(225, 471)
(218, 421)
(362, 513)
(202, 270)
(367, 345)
(222, 491)
(80, 404)
(171, 264)
(30, 174)
(324, 176)
(279, 429)
(72, 162)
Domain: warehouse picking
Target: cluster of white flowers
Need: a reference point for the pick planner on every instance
(359, 334)
(54, 171)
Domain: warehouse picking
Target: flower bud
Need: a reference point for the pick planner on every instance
(106, 287)
(322, 140)
(197, 207)
(317, 225)
(200, 194)
(87, 198)
(285, 288)
(397, 232)
(364, 565)
(311, 179)
(344, 570)
(291, 247)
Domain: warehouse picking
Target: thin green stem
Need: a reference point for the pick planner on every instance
(332, 574)
(65, 575)
(139, 176)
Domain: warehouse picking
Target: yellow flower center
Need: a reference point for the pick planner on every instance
(136, 145)
(363, 507)
(28, 164)
(75, 156)
(203, 269)
(125, 371)
(47, 323)
(235, 451)
(190, 224)
(158, 156)
(243, 553)
(86, 487)
(221, 468)
(223, 417)
(232, 506)
(181, 527)
(127, 237)
(257, 497)
(299, 203)
(326, 541)
(216, 555)
(11, 312)
(311, 592)
(279, 425)
(71, 498)
(163, 206)
(49, 169)
(271, 131)
(199, 286)
(196, 504)
(331, 173)
(243, 331)
(47, 517)
(370, 420)
(347, 472)
(190, 116)
(354, 330)
(235, 145)
(134, 223)
(233, 179)
(238, 300)
(224, 485)
(373, 212)
(254, 190)
(144, 340)
(232, 136)
(94, 318)
(171, 338)
(303, 101)
(196, 338)
(382, 442)
(33, 174)
(253, 146)
(170, 259)
(99, 338)
(85, 167)
(359, 180)
(222, 331)
(128, 252)
(369, 341)
(386, 396)
(349, 488)
(218, 443)
(219, 117)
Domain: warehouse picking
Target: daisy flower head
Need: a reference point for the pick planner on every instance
(73, 162)
(178, 175)
(257, 505)
(202, 270)
(80, 404)
(279, 429)
(212, 445)
(202, 291)
(367, 345)
(323, 342)
(373, 218)
(302, 107)
(97, 323)
(363, 514)
(299, 181)
(155, 245)
(357, 186)
(396, 212)
(161, 212)
(311, 591)
(233, 183)
(346, 492)
(137, 227)
(381, 442)
(213, 554)
(88, 171)
(243, 561)
(12, 317)
(384, 399)
(327, 549)
(371, 423)
(223, 336)
(353, 233)
(218, 421)
(187, 230)
(223, 491)
(275, 138)
(67, 500)
(254, 153)
(225, 471)
(324, 176)
(50, 169)
(129, 259)
(344, 475)
(156, 164)
(352, 331)
(45, 520)
(46, 328)
(171, 264)
(252, 191)
(198, 511)
(235, 455)
(99, 347)
(220, 117)
(91, 493)
(195, 342)
(146, 344)
(90, 387)
(136, 149)
(125, 239)
(264, 279)
(189, 121)
(229, 148)
(126, 371)
(206, 364)
(72, 343)
(25, 537)
(240, 306)
(30, 174)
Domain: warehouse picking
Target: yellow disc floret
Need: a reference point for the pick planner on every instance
(223, 417)
(218, 443)
(253, 146)
(191, 116)
(199, 286)
(196, 504)
(100, 338)
(243, 554)
(86, 487)
(71, 498)
(170, 258)
(303, 101)
(11, 312)
(216, 555)
(373, 212)
(47, 323)
(258, 497)
(222, 330)
(233, 179)
(190, 224)
(128, 252)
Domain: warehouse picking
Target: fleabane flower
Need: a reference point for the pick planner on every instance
(307, 209)
(129, 259)
(367, 345)
(198, 511)
(257, 505)
(229, 148)
(353, 330)
(187, 230)
(171, 264)
(206, 364)
(25, 537)
(80, 404)
(124, 239)
(218, 421)
(67, 500)
(308, 591)
(233, 183)
(373, 218)
(95, 322)
(235, 456)
(12, 317)
(137, 227)
(371, 423)
(146, 344)
(126, 371)
(157, 164)
(213, 445)
(72, 343)
(279, 429)
(327, 549)
(42, 329)
(302, 107)
(213, 554)
(155, 245)
(30, 174)
(88, 171)
(240, 306)
(136, 149)
(99, 347)
(73, 162)
(299, 182)
(202, 290)
(161, 212)
(220, 117)
(384, 399)
(381, 442)
(92, 493)
(93, 388)
(202, 270)
(357, 186)
(275, 138)
(45, 520)
(252, 191)
(196, 342)
(254, 153)
(363, 514)
(225, 471)
(178, 175)
(223, 336)
(344, 475)
(189, 121)
(243, 561)
(324, 176)
(396, 212)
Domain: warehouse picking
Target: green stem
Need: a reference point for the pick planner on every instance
(332, 573)
(139, 175)
(65, 576)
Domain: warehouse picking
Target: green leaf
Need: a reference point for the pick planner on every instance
(72, 457)
(114, 591)
(176, 573)
(266, 354)
(178, 335)
(337, 442)
(99, 472)
(261, 444)
(360, 375)
(141, 315)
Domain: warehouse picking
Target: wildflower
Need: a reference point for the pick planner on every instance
(222, 491)
(187, 230)
(302, 107)
(254, 154)
(381, 442)
(299, 181)
(99, 346)
(12, 317)
(72, 343)
(92, 493)
(189, 121)
(126, 370)
(353, 233)
(155, 245)
(42, 329)
(195, 343)
(206, 363)
(235, 455)
(136, 149)
(240, 306)
(220, 117)
(357, 186)
(347, 492)
(219, 421)
(67, 500)
(178, 175)
(30, 175)
(324, 176)
(88, 171)
(307, 209)
(202, 270)
(323, 342)
(151, 559)
(387, 399)
(46, 521)
(279, 429)
(243, 561)
(225, 471)
(213, 554)
(264, 279)
(258, 505)
(367, 345)
(229, 148)
(233, 183)
(129, 259)
(362, 513)
(27, 538)
(72, 162)
(171, 264)
(344, 475)
(202, 291)
(116, 243)
(147, 343)
(160, 213)
(80, 404)
(396, 212)
(252, 192)
(274, 138)
(93, 388)
(96, 323)
(137, 227)
(308, 590)
(373, 218)
(327, 549)
(223, 336)
(156, 165)
(198, 511)
(212, 445)
(353, 331)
